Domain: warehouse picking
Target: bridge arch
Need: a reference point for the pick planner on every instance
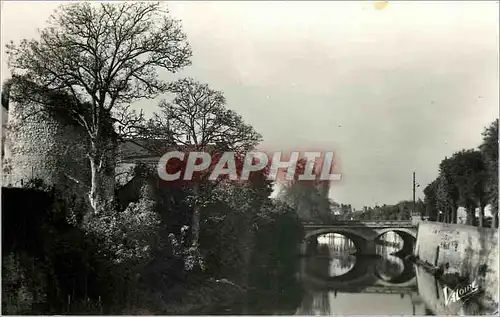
(400, 231)
(358, 237)
(408, 235)
(351, 233)
(366, 233)
(364, 237)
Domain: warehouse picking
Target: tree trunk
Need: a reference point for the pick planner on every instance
(454, 214)
(196, 261)
(102, 174)
(468, 220)
(481, 215)
(494, 219)
(471, 216)
(195, 231)
(196, 226)
(96, 190)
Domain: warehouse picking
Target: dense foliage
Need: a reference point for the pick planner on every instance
(121, 261)
(469, 178)
(400, 211)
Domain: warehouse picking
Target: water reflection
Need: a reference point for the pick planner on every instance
(337, 281)
(389, 266)
(337, 250)
(332, 281)
(334, 256)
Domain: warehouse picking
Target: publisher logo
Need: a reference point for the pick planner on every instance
(459, 294)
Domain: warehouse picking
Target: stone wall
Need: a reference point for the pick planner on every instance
(471, 252)
(39, 145)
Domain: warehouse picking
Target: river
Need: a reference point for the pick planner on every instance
(336, 282)
(331, 281)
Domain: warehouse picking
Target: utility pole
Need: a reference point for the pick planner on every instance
(415, 185)
(413, 194)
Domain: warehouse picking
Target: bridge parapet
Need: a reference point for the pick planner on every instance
(362, 224)
(363, 234)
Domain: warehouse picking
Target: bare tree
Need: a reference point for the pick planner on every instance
(104, 56)
(197, 119)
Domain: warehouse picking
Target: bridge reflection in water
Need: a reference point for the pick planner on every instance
(359, 273)
(338, 279)
(334, 278)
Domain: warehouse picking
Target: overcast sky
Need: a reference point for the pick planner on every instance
(390, 90)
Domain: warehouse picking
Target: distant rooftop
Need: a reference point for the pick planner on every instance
(142, 149)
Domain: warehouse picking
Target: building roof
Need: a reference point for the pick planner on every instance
(141, 149)
(144, 149)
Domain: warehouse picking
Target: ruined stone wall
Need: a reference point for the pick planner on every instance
(39, 145)
(471, 252)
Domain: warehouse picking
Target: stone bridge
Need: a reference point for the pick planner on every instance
(364, 275)
(362, 233)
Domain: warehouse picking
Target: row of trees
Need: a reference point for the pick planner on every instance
(399, 211)
(313, 204)
(469, 178)
(103, 57)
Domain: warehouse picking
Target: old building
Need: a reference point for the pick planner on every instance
(46, 145)
(137, 163)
